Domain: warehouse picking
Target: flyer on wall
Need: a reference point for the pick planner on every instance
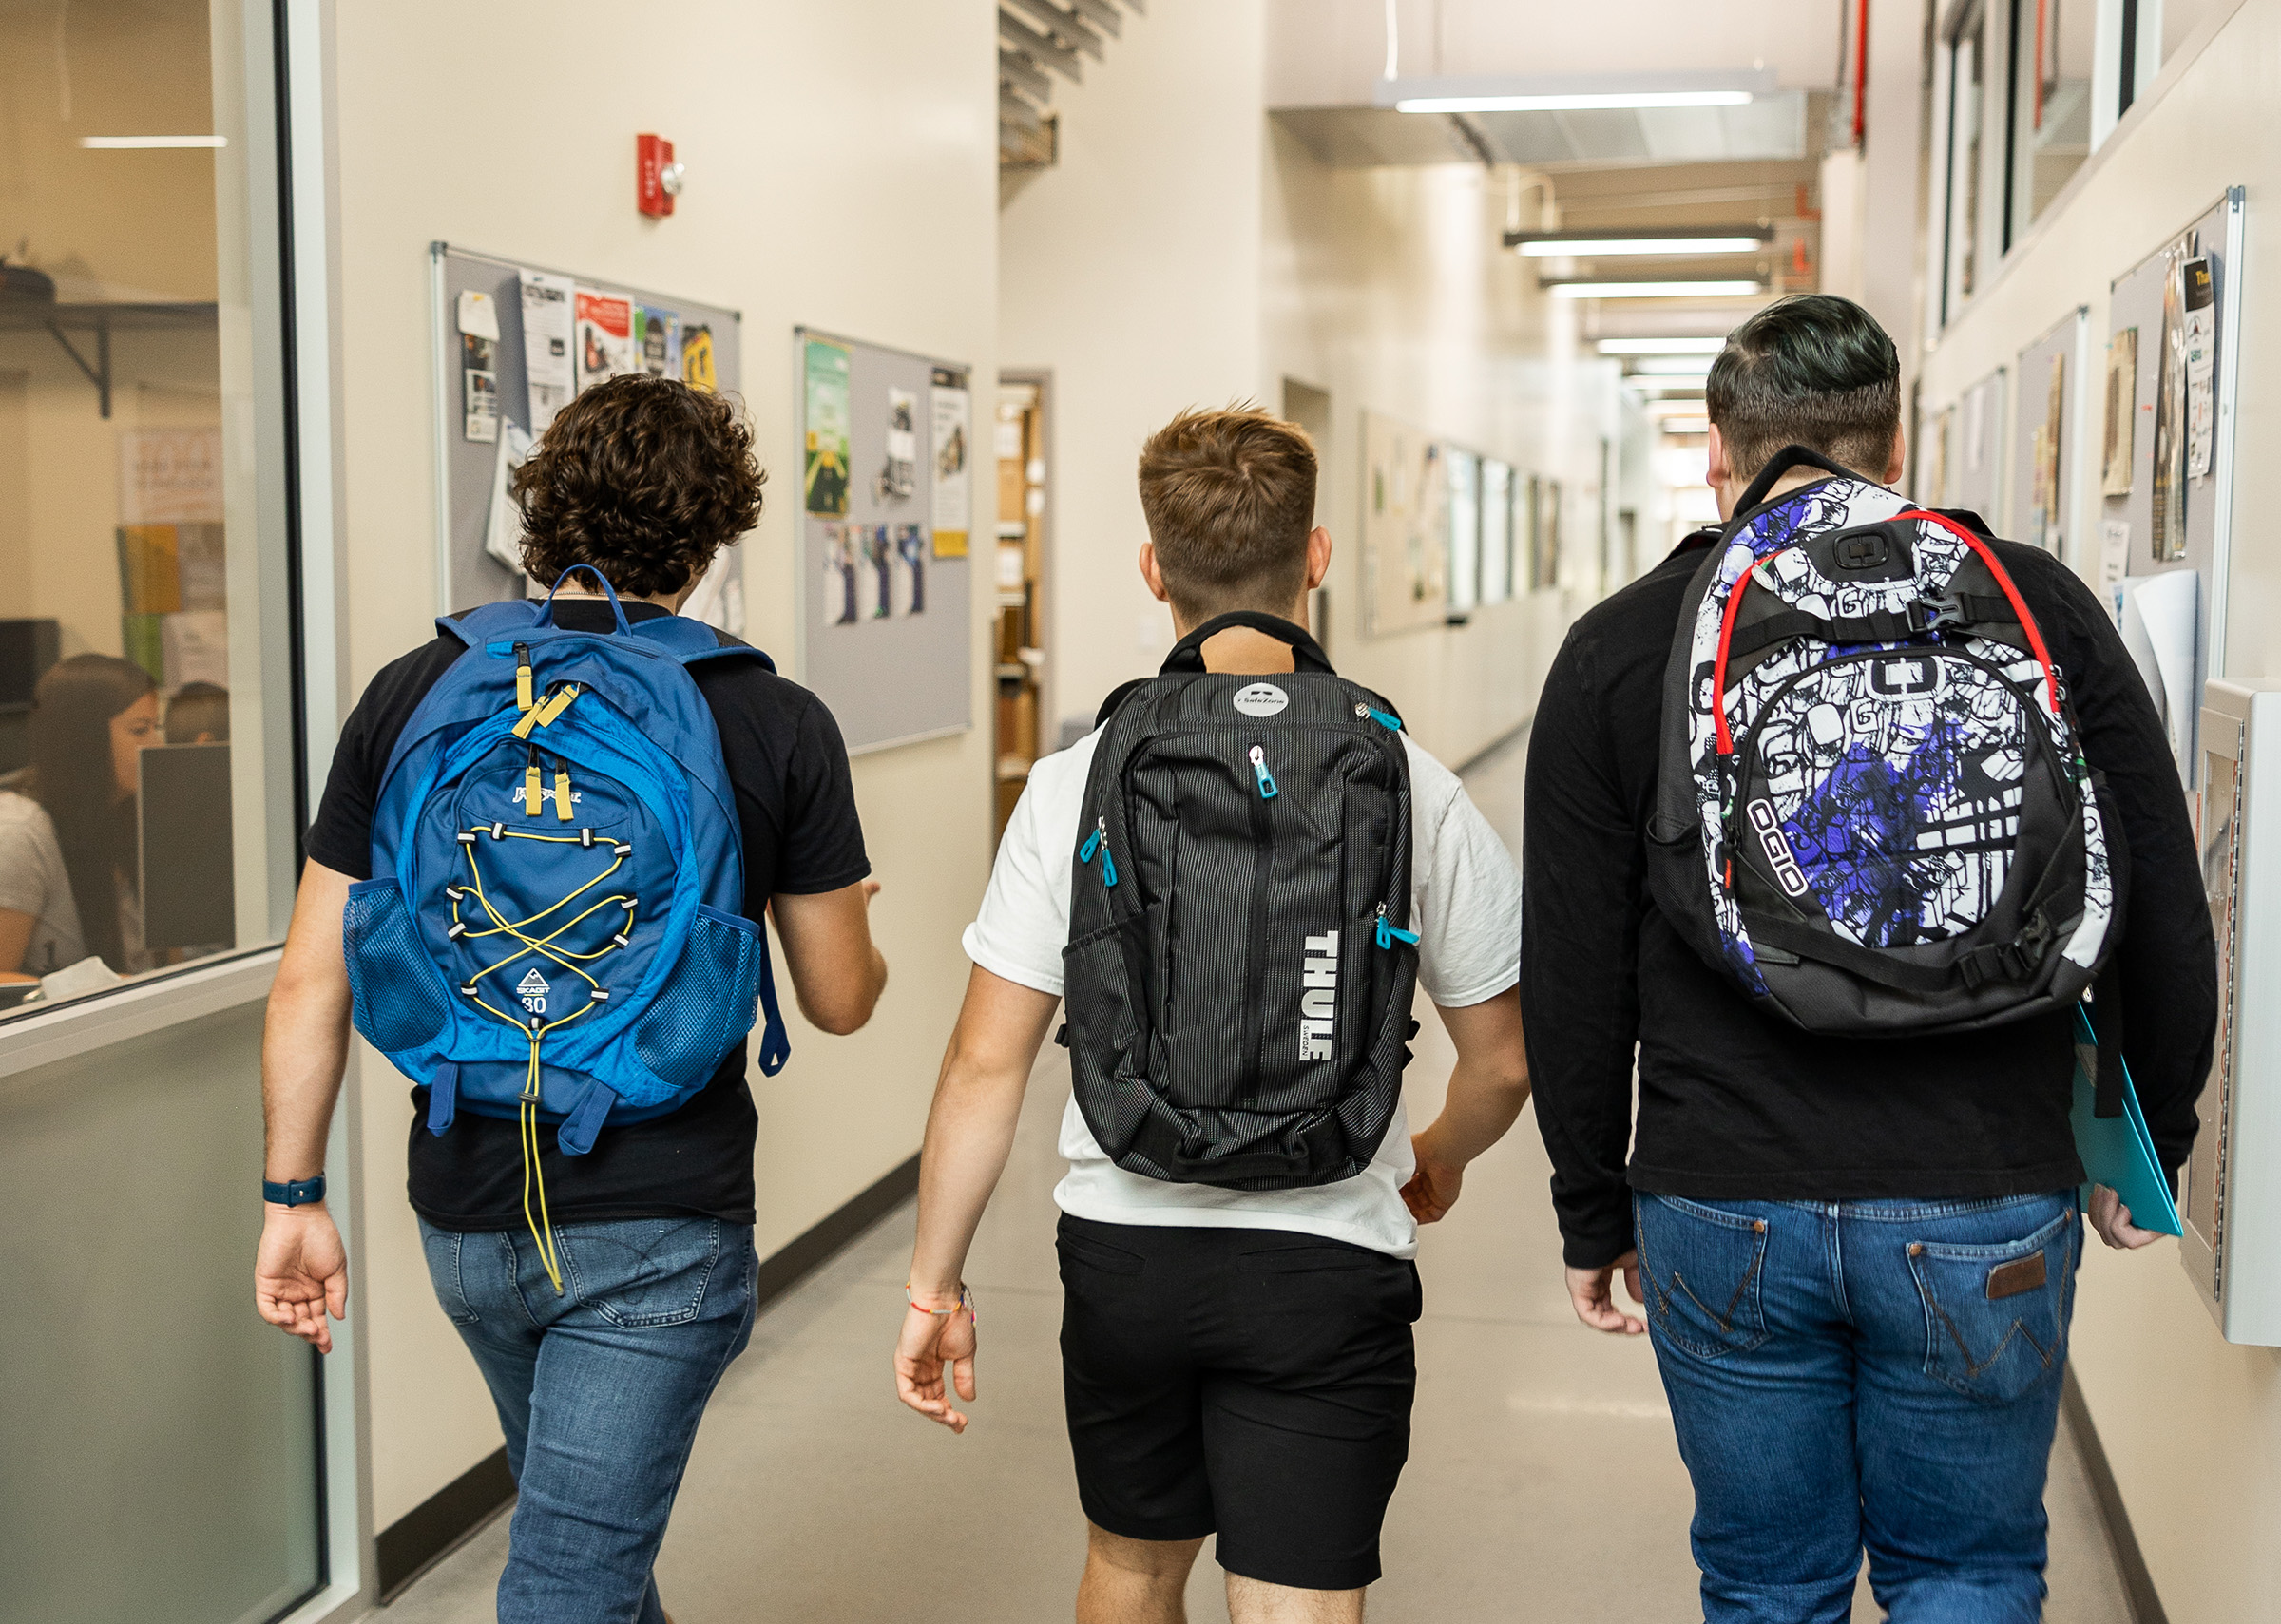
(2122, 412)
(697, 356)
(546, 336)
(2201, 364)
(824, 478)
(605, 336)
(658, 341)
(948, 407)
(479, 366)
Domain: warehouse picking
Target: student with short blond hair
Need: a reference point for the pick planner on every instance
(1242, 1200)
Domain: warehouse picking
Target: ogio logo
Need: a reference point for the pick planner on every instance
(1318, 1000)
(532, 989)
(1787, 873)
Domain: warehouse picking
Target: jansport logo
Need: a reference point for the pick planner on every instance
(1318, 998)
(532, 989)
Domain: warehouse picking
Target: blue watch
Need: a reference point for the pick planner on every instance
(298, 1192)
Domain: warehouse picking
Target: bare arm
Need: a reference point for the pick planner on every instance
(1487, 1088)
(15, 939)
(838, 975)
(969, 1133)
(300, 1272)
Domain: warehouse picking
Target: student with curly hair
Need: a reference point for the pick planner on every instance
(599, 1386)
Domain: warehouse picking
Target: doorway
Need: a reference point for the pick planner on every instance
(1021, 558)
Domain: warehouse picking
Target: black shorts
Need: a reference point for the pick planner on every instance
(1256, 1384)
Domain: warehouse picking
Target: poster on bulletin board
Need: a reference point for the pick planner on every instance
(886, 626)
(2167, 485)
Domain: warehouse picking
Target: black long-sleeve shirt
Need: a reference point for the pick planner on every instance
(1737, 1105)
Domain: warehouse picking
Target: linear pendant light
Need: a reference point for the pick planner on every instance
(1583, 289)
(1662, 346)
(1676, 240)
(1574, 92)
(149, 142)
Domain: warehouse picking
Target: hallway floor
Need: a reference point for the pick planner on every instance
(1543, 1480)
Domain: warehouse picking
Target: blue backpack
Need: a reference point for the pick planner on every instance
(552, 930)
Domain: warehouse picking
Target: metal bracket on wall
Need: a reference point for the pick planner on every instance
(61, 320)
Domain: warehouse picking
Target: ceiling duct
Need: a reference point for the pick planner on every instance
(1040, 40)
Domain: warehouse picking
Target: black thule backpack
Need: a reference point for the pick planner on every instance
(1873, 810)
(1239, 973)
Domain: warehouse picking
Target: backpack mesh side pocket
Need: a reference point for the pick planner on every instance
(396, 990)
(706, 1005)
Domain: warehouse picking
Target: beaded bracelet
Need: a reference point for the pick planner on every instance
(966, 1301)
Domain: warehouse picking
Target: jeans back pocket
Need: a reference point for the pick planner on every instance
(642, 1272)
(1703, 1270)
(1996, 1314)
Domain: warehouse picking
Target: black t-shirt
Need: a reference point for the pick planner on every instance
(1736, 1106)
(796, 809)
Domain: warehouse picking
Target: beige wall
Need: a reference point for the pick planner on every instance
(1187, 252)
(842, 165)
(1391, 289)
(2191, 1423)
(1131, 272)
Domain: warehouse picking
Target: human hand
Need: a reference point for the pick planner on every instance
(1591, 1292)
(2112, 1219)
(301, 1273)
(927, 1342)
(1433, 1188)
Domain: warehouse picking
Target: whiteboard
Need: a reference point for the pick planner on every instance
(886, 624)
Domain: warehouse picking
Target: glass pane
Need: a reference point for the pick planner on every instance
(134, 832)
(2054, 100)
(160, 1439)
(1964, 117)
(1496, 531)
(1465, 530)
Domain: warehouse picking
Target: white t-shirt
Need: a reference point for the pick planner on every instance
(1468, 951)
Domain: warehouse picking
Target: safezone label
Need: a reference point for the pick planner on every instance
(1261, 699)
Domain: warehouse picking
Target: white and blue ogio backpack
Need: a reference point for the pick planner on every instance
(554, 931)
(1873, 812)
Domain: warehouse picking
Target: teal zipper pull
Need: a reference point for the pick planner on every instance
(1388, 934)
(1381, 717)
(1099, 840)
(1267, 779)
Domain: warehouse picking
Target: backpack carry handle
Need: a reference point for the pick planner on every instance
(1188, 653)
(617, 609)
(1781, 463)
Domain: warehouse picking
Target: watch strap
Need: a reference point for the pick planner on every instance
(295, 1192)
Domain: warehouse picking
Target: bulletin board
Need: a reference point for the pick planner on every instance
(2047, 437)
(1405, 528)
(2166, 461)
(700, 343)
(1976, 445)
(886, 459)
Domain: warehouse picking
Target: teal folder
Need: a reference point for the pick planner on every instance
(2117, 1151)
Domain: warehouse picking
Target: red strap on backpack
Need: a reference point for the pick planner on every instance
(1987, 556)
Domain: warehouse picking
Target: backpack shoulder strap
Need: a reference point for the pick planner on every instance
(690, 642)
(477, 626)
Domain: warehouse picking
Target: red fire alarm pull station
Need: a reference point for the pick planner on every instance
(657, 177)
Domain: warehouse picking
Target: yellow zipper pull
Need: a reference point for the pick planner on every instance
(531, 791)
(562, 792)
(557, 705)
(523, 675)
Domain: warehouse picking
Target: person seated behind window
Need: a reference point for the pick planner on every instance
(68, 884)
(198, 713)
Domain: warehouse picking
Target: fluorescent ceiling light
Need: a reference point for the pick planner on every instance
(1686, 426)
(1662, 346)
(1673, 365)
(1573, 102)
(1675, 407)
(1650, 290)
(148, 143)
(1546, 247)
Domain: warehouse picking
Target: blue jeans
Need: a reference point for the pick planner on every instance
(1851, 1373)
(598, 1390)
